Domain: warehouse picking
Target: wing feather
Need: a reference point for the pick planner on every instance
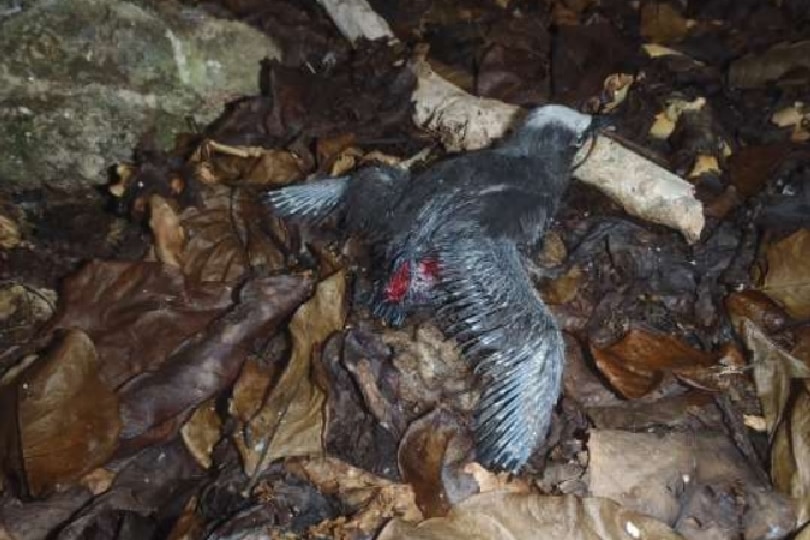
(489, 304)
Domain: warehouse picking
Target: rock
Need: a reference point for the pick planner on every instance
(81, 81)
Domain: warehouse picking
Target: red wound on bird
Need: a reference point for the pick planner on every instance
(397, 286)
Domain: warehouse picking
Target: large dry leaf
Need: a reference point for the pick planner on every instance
(290, 420)
(790, 454)
(637, 363)
(67, 417)
(786, 406)
(788, 277)
(230, 235)
(155, 404)
(136, 313)
(372, 499)
(774, 369)
(513, 516)
(431, 458)
(218, 163)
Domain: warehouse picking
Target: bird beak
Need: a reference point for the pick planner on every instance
(600, 124)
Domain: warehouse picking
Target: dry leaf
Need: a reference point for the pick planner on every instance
(9, 233)
(137, 314)
(662, 23)
(169, 234)
(226, 237)
(67, 417)
(375, 499)
(788, 278)
(431, 456)
(697, 480)
(202, 431)
(636, 363)
(219, 163)
(154, 405)
(514, 516)
(290, 422)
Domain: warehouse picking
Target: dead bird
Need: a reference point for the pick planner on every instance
(453, 238)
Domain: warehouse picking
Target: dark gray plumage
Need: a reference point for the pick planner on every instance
(453, 238)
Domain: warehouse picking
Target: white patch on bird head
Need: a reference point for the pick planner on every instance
(559, 115)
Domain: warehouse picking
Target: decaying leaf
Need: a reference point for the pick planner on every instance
(697, 481)
(662, 23)
(637, 363)
(796, 117)
(375, 499)
(290, 420)
(515, 516)
(788, 278)
(137, 314)
(66, 415)
(154, 405)
(430, 460)
(9, 233)
(616, 87)
(202, 431)
(226, 237)
(169, 234)
(218, 163)
(666, 120)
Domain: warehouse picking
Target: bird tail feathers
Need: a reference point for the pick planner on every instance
(312, 201)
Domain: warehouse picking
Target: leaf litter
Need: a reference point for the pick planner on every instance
(219, 376)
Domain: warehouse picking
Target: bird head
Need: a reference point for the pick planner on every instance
(560, 126)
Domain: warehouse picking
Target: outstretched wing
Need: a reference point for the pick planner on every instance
(311, 201)
(489, 305)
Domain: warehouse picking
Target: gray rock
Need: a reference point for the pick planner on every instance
(81, 80)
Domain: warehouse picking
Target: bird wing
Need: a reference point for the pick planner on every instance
(489, 305)
(312, 201)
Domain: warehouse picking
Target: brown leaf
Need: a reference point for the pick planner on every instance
(226, 237)
(67, 417)
(170, 237)
(290, 421)
(662, 23)
(790, 454)
(431, 462)
(638, 361)
(515, 516)
(682, 478)
(202, 431)
(218, 163)
(137, 314)
(375, 499)
(756, 307)
(788, 278)
(154, 405)
(774, 368)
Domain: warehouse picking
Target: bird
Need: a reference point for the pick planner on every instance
(455, 238)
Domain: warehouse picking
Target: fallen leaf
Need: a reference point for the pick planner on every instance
(219, 163)
(154, 405)
(756, 70)
(698, 481)
(375, 499)
(67, 417)
(290, 421)
(638, 361)
(429, 463)
(228, 237)
(169, 235)
(788, 277)
(517, 516)
(136, 313)
(202, 431)
(661, 22)
(10, 236)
